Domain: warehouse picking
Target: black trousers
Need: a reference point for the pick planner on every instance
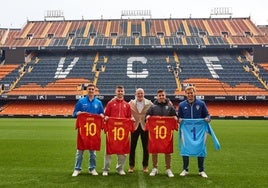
(200, 162)
(133, 143)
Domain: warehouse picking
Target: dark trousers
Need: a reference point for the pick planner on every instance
(133, 143)
(200, 162)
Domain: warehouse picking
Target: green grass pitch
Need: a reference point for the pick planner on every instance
(39, 152)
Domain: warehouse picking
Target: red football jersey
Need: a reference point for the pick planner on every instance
(118, 132)
(89, 131)
(160, 130)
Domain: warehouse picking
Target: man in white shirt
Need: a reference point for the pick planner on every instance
(139, 107)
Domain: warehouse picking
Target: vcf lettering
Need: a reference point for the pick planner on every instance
(130, 72)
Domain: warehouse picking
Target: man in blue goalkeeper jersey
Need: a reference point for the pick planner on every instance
(192, 108)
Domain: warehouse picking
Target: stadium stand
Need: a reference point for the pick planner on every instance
(225, 58)
(238, 109)
(49, 108)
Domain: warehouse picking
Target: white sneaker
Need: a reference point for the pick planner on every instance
(93, 172)
(76, 173)
(184, 173)
(154, 172)
(105, 173)
(169, 173)
(203, 174)
(121, 172)
(131, 169)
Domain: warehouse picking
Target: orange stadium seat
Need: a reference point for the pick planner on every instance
(6, 69)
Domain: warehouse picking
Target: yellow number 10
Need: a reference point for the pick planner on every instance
(91, 129)
(119, 133)
(160, 132)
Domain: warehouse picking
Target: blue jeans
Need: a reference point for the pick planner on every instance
(79, 159)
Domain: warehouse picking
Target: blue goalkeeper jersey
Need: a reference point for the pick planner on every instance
(192, 137)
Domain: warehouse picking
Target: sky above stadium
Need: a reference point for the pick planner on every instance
(15, 13)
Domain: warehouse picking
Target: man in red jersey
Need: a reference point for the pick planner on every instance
(116, 108)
